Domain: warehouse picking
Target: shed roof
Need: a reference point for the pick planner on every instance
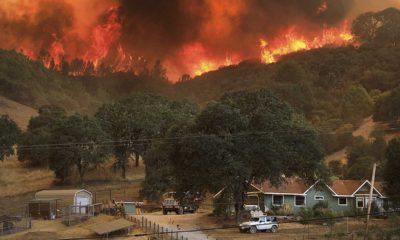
(58, 193)
(109, 227)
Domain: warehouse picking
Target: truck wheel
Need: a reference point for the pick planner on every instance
(274, 229)
(253, 230)
(165, 212)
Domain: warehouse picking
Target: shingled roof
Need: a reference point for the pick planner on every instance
(349, 187)
(298, 186)
(292, 186)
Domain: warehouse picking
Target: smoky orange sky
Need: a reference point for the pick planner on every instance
(188, 36)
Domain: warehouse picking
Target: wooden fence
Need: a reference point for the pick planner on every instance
(155, 230)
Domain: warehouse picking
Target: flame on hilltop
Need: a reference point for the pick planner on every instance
(83, 37)
(103, 37)
(292, 40)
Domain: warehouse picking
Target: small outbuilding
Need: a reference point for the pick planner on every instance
(71, 197)
(43, 208)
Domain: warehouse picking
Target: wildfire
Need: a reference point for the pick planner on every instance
(292, 41)
(103, 36)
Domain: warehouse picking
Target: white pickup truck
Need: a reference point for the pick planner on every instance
(262, 223)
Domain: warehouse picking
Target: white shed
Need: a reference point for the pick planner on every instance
(69, 197)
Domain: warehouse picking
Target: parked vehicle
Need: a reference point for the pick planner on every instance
(263, 223)
(171, 205)
(188, 203)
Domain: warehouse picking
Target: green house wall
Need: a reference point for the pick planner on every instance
(320, 190)
(333, 202)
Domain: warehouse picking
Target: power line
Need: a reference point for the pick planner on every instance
(144, 141)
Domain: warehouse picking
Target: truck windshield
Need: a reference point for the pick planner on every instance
(254, 219)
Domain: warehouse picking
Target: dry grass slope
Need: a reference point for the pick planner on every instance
(18, 112)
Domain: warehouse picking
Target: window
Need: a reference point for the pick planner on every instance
(319, 198)
(277, 200)
(342, 201)
(360, 202)
(300, 201)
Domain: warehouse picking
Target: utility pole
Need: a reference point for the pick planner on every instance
(370, 200)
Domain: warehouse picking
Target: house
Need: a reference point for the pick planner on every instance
(340, 196)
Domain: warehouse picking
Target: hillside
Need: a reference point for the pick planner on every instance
(18, 112)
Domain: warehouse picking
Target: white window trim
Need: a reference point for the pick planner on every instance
(283, 200)
(342, 204)
(321, 198)
(303, 205)
(362, 199)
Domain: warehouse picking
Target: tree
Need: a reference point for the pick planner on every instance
(380, 28)
(290, 72)
(39, 133)
(336, 167)
(361, 168)
(360, 147)
(82, 143)
(135, 120)
(356, 104)
(365, 26)
(387, 107)
(392, 168)
(9, 134)
(244, 137)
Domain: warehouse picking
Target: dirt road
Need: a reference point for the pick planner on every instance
(181, 223)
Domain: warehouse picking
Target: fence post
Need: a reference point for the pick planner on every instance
(142, 221)
(177, 235)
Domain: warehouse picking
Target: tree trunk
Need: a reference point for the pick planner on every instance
(123, 168)
(81, 170)
(137, 156)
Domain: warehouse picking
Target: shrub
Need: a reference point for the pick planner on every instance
(284, 210)
(305, 214)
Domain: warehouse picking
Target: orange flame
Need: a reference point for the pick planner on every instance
(103, 36)
(292, 41)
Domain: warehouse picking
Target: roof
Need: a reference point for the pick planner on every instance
(109, 227)
(350, 187)
(44, 194)
(292, 186)
(298, 186)
(43, 200)
(346, 187)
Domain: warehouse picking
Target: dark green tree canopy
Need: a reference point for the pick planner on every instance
(9, 134)
(141, 117)
(392, 169)
(379, 28)
(245, 136)
(387, 107)
(83, 144)
(39, 132)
